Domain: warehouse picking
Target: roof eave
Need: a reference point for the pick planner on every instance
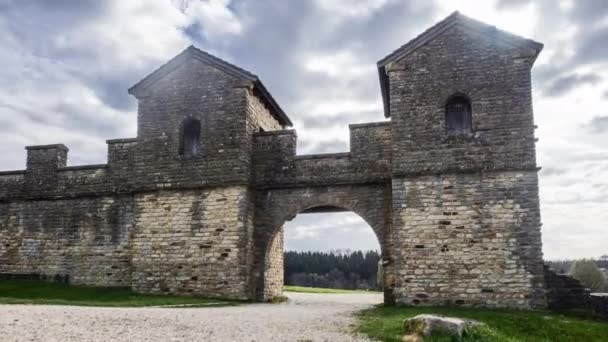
(275, 109)
(138, 90)
(435, 30)
(384, 90)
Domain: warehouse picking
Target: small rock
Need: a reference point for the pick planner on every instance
(428, 325)
(411, 338)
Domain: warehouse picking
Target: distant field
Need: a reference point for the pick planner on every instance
(290, 288)
(39, 292)
(386, 323)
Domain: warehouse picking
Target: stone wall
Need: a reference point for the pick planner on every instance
(192, 242)
(565, 293)
(599, 304)
(86, 239)
(468, 239)
(274, 273)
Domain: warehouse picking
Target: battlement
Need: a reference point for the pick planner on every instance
(48, 176)
(368, 161)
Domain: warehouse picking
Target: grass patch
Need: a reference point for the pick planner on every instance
(40, 292)
(385, 323)
(304, 289)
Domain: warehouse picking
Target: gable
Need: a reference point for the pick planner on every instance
(139, 90)
(455, 20)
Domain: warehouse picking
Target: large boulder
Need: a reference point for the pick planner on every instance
(416, 328)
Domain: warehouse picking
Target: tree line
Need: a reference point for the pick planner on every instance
(345, 269)
(340, 269)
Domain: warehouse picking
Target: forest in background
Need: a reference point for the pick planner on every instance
(340, 269)
(346, 269)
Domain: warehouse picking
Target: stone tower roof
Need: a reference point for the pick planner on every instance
(229, 68)
(456, 18)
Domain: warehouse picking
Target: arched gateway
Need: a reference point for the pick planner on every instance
(276, 206)
(196, 203)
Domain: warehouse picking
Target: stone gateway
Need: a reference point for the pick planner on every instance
(195, 204)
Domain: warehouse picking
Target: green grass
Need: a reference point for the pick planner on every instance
(385, 324)
(290, 288)
(39, 292)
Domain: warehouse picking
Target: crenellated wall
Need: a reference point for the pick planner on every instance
(369, 161)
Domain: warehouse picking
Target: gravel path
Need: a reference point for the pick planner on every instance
(306, 317)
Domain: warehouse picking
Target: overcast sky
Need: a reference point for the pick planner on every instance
(66, 67)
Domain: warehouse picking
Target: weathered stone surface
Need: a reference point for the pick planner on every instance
(457, 217)
(599, 303)
(564, 292)
(567, 293)
(467, 239)
(432, 325)
(274, 272)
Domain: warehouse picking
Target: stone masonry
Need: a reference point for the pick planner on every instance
(195, 204)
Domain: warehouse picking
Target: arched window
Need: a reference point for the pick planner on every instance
(190, 137)
(458, 116)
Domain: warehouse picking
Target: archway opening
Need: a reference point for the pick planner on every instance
(325, 247)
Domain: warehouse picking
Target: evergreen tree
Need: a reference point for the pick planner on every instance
(334, 269)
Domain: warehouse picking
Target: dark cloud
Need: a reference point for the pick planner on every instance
(278, 35)
(552, 171)
(194, 31)
(585, 11)
(592, 47)
(268, 45)
(46, 29)
(598, 125)
(83, 120)
(545, 73)
(25, 113)
(37, 24)
(509, 4)
(307, 146)
(7, 125)
(329, 231)
(112, 90)
(333, 146)
(568, 83)
(340, 119)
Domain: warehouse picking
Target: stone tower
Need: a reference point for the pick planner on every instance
(464, 175)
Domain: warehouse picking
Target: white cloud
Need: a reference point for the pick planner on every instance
(352, 8)
(329, 231)
(214, 17)
(343, 65)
